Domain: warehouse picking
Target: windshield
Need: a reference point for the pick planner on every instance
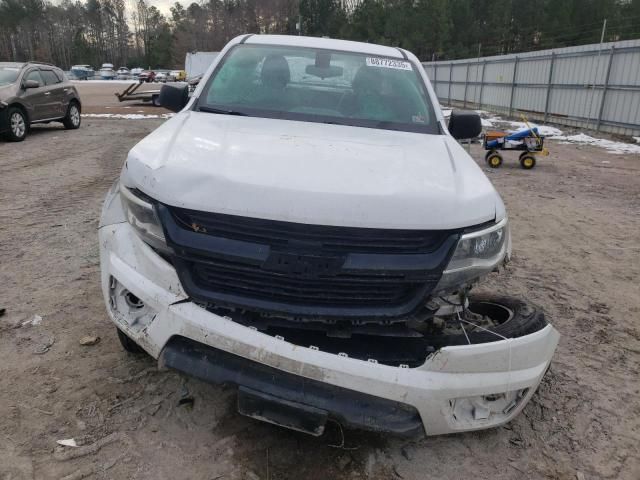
(8, 75)
(318, 85)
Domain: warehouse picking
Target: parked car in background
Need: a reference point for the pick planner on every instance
(82, 72)
(35, 93)
(193, 83)
(135, 72)
(147, 76)
(308, 228)
(107, 72)
(177, 76)
(162, 76)
(123, 73)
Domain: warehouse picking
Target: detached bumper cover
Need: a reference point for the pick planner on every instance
(453, 391)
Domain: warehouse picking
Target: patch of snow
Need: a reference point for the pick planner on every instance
(543, 130)
(127, 116)
(491, 121)
(554, 133)
(94, 82)
(609, 145)
(547, 131)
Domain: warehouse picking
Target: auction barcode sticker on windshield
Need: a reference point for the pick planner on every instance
(388, 63)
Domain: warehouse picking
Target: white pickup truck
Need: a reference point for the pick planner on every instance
(308, 229)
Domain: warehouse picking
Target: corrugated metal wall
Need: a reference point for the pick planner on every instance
(588, 86)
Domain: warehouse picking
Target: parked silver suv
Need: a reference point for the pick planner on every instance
(35, 93)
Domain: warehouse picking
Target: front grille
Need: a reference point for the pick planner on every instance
(302, 271)
(338, 290)
(328, 239)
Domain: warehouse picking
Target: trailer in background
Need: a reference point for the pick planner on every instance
(196, 63)
(130, 93)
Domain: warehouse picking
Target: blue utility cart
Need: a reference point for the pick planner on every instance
(528, 141)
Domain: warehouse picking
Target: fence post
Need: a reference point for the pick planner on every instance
(484, 66)
(513, 84)
(547, 99)
(466, 82)
(435, 79)
(450, 80)
(605, 87)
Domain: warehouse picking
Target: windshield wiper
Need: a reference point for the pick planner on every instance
(222, 111)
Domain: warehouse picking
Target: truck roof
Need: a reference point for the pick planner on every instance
(328, 43)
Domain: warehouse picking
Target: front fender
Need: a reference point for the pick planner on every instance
(112, 212)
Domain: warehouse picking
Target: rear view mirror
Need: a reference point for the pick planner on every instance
(322, 67)
(464, 124)
(174, 97)
(324, 72)
(31, 84)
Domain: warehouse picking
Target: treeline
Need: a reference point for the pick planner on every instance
(135, 33)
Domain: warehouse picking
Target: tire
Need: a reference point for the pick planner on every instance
(155, 99)
(523, 319)
(486, 155)
(494, 160)
(18, 125)
(527, 161)
(72, 120)
(128, 344)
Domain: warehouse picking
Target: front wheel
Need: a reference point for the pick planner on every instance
(527, 161)
(491, 318)
(72, 120)
(128, 344)
(494, 160)
(17, 125)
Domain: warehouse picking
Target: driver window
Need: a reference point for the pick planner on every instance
(35, 75)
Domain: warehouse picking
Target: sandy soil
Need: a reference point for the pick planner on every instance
(575, 226)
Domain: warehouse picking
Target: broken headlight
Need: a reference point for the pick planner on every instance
(141, 215)
(477, 254)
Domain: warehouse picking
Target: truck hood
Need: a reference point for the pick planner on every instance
(311, 173)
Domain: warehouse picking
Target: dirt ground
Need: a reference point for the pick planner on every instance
(575, 227)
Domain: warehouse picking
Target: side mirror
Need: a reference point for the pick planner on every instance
(174, 97)
(31, 84)
(464, 124)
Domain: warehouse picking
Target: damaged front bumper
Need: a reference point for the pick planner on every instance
(457, 388)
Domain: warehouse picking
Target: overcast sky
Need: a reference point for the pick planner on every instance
(163, 5)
